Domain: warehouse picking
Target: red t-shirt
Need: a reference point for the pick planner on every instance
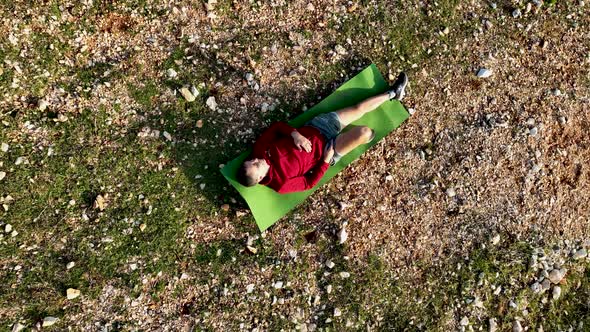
(290, 169)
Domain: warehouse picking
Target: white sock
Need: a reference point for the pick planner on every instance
(391, 94)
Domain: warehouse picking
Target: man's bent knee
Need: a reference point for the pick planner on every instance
(365, 132)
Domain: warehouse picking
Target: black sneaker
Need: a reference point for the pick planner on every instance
(398, 90)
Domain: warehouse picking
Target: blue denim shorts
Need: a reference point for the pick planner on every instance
(328, 124)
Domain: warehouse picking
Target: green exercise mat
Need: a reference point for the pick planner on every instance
(267, 205)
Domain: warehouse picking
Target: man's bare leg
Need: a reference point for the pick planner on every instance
(353, 113)
(349, 140)
(350, 114)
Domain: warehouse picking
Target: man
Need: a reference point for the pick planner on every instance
(289, 160)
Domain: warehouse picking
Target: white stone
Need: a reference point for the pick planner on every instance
(484, 73)
(72, 293)
(411, 111)
(536, 287)
(330, 264)
(533, 131)
(250, 288)
(278, 285)
(188, 96)
(556, 275)
(329, 289)
(70, 265)
(4, 147)
(556, 292)
(464, 321)
(496, 239)
(477, 302)
(17, 327)
(493, 325)
(194, 91)
(211, 103)
(42, 105)
(344, 275)
(516, 13)
(19, 160)
(171, 73)
(48, 321)
(167, 135)
(451, 192)
(2, 175)
(249, 77)
(343, 234)
(337, 312)
(340, 50)
(7, 228)
(579, 254)
(133, 266)
(516, 327)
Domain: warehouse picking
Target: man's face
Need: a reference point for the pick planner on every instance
(256, 168)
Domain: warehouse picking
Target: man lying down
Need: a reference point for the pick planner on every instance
(290, 160)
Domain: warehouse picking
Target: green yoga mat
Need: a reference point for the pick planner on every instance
(267, 205)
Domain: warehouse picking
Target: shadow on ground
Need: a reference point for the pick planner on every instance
(218, 139)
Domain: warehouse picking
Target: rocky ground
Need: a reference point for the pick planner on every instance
(116, 117)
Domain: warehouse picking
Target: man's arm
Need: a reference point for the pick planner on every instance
(269, 135)
(306, 181)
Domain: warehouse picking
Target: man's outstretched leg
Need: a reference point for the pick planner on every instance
(350, 114)
(349, 140)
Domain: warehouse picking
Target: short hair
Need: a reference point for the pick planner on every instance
(243, 178)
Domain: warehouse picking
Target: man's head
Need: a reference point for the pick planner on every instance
(252, 172)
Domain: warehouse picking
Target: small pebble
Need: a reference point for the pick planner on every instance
(42, 105)
(188, 96)
(533, 131)
(8, 228)
(344, 275)
(516, 327)
(2, 175)
(211, 103)
(493, 324)
(556, 275)
(337, 312)
(250, 288)
(72, 293)
(4, 147)
(484, 73)
(17, 327)
(171, 73)
(580, 254)
(48, 321)
(496, 239)
(330, 264)
(516, 13)
(464, 321)
(451, 192)
(556, 292)
(70, 265)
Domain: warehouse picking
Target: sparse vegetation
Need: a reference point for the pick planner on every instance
(110, 182)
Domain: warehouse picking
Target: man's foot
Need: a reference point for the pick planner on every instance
(398, 90)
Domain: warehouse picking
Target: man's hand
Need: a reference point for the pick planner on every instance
(328, 153)
(301, 142)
